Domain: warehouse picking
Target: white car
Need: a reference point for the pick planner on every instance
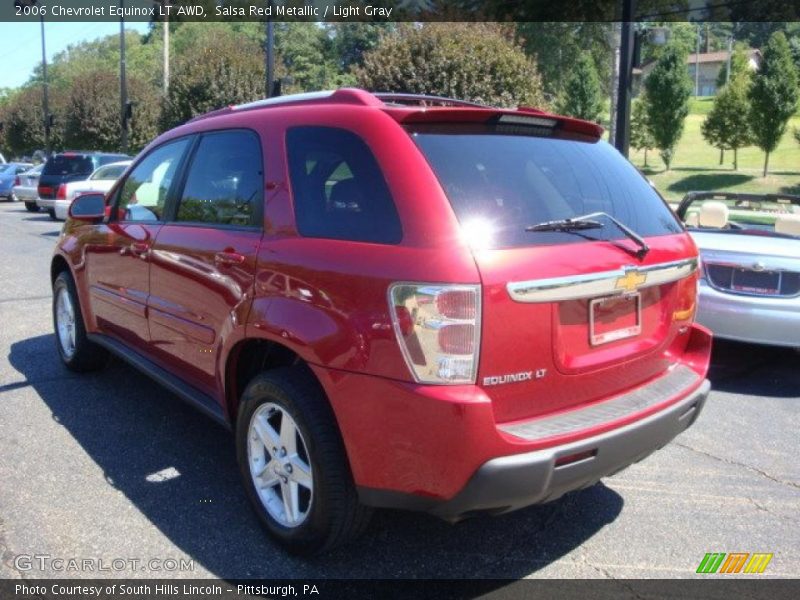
(749, 288)
(101, 180)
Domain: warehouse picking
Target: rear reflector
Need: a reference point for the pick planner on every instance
(570, 459)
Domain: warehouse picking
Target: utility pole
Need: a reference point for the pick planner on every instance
(622, 130)
(270, 53)
(697, 66)
(728, 70)
(166, 51)
(123, 84)
(615, 68)
(45, 99)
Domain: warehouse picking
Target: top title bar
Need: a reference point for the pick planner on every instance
(397, 10)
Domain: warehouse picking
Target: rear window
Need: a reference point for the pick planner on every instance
(504, 183)
(69, 165)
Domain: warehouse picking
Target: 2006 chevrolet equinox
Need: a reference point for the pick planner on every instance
(393, 301)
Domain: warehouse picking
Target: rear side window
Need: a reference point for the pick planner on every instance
(225, 180)
(505, 183)
(64, 165)
(338, 189)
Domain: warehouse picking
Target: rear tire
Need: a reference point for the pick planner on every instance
(309, 465)
(76, 351)
(52, 213)
(31, 207)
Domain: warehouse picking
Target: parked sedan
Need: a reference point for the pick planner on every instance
(25, 187)
(8, 178)
(750, 252)
(101, 180)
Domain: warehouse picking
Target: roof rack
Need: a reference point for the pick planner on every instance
(356, 96)
(423, 100)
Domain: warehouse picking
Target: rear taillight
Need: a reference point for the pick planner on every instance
(61, 194)
(438, 328)
(16, 180)
(687, 298)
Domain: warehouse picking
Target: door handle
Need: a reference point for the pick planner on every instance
(228, 258)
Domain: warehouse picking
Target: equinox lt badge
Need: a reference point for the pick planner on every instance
(514, 377)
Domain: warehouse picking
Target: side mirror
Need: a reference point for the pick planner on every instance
(89, 207)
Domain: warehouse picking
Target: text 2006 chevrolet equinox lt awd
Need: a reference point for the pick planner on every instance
(393, 301)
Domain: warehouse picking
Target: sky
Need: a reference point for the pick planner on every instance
(21, 44)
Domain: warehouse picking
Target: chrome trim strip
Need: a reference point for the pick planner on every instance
(603, 283)
(662, 389)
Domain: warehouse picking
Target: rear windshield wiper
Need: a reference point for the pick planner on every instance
(566, 225)
(589, 222)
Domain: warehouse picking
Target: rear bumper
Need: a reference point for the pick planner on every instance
(61, 208)
(46, 203)
(25, 194)
(511, 482)
(758, 320)
(439, 449)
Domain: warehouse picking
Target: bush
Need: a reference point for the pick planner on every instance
(479, 62)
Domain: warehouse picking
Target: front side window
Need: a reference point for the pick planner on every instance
(338, 189)
(225, 180)
(144, 193)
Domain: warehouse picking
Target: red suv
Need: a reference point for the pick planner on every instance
(394, 301)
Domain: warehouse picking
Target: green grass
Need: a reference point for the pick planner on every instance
(696, 167)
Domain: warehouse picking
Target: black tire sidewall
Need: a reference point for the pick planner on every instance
(309, 537)
(31, 207)
(87, 356)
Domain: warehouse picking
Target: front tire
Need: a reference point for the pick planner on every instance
(31, 207)
(76, 351)
(293, 463)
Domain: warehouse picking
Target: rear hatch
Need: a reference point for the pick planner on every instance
(571, 314)
(63, 168)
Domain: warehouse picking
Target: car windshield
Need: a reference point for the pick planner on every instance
(744, 216)
(502, 186)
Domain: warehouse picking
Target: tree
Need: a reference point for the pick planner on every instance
(470, 61)
(93, 117)
(773, 95)
(582, 97)
(350, 41)
(641, 136)
(668, 89)
(24, 121)
(726, 126)
(797, 134)
(557, 45)
(740, 65)
(305, 51)
(215, 69)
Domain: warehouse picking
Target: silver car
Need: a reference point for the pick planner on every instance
(27, 191)
(750, 252)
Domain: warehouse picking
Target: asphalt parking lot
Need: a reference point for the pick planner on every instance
(83, 462)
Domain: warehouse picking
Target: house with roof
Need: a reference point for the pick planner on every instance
(707, 65)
